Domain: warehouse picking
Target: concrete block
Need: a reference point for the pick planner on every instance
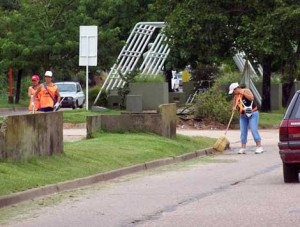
(28, 135)
(113, 101)
(134, 103)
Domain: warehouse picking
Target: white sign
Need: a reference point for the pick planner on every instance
(88, 45)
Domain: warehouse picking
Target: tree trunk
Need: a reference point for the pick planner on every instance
(266, 86)
(18, 86)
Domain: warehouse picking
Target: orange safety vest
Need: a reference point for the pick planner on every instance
(240, 103)
(45, 99)
(31, 91)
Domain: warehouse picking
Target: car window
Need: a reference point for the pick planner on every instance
(78, 88)
(296, 109)
(66, 87)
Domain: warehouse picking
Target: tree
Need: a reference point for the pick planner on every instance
(203, 31)
(41, 37)
(268, 36)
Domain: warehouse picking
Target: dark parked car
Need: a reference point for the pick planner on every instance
(289, 140)
(71, 93)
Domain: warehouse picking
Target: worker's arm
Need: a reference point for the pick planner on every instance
(247, 94)
(37, 91)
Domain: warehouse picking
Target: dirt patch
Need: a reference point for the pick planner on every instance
(190, 123)
(74, 125)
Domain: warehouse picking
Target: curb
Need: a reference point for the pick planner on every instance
(15, 198)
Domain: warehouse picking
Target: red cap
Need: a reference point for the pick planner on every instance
(35, 77)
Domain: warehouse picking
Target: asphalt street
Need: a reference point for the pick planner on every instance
(223, 190)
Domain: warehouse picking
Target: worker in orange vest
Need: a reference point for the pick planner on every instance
(34, 104)
(49, 94)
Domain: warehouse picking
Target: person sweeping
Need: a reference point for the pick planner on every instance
(243, 102)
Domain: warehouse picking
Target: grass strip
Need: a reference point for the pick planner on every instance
(108, 151)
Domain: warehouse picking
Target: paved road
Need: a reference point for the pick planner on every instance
(225, 190)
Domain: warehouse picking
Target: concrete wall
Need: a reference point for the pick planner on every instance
(153, 94)
(24, 136)
(276, 95)
(162, 123)
(177, 97)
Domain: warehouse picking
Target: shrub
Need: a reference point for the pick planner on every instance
(148, 78)
(93, 92)
(216, 104)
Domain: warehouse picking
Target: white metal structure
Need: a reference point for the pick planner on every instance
(134, 50)
(249, 73)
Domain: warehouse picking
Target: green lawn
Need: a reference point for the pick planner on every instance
(108, 151)
(271, 120)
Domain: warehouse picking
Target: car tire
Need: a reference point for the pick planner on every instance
(81, 106)
(290, 173)
(75, 105)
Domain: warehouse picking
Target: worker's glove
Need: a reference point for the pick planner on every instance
(56, 106)
(32, 103)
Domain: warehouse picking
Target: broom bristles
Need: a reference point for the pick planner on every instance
(221, 144)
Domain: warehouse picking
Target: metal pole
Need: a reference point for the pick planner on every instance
(87, 77)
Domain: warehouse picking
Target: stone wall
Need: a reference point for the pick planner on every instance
(162, 122)
(24, 136)
(153, 94)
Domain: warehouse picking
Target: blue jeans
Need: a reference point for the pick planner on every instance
(252, 123)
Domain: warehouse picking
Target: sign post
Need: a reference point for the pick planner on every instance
(88, 46)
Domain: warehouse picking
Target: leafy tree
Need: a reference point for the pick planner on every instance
(269, 35)
(44, 34)
(41, 37)
(205, 31)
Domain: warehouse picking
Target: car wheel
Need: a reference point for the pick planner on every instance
(81, 105)
(75, 105)
(290, 173)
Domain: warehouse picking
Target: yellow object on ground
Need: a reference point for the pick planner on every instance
(222, 142)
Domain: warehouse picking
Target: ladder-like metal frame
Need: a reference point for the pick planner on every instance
(248, 74)
(133, 50)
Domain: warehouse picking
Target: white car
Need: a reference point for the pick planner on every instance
(71, 94)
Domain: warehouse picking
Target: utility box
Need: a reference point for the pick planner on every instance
(134, 103)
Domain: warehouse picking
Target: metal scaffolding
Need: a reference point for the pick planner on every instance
(248, 74)
(135, 49)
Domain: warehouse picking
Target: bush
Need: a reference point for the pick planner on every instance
(148, 78)
(93, 92)
(216, 104)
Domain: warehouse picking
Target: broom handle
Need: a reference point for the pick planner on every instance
(229, 122)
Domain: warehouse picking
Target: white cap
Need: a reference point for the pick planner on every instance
(48, 73)
(232, 87)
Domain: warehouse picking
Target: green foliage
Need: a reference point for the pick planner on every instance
(205, 72)
(223, 81)
(79, 115)
(3, 86)
(148, 78)
(122, 92)
(213, 105)
(216, 104)
(93, 92)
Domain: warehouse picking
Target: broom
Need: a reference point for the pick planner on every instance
(222, 142)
